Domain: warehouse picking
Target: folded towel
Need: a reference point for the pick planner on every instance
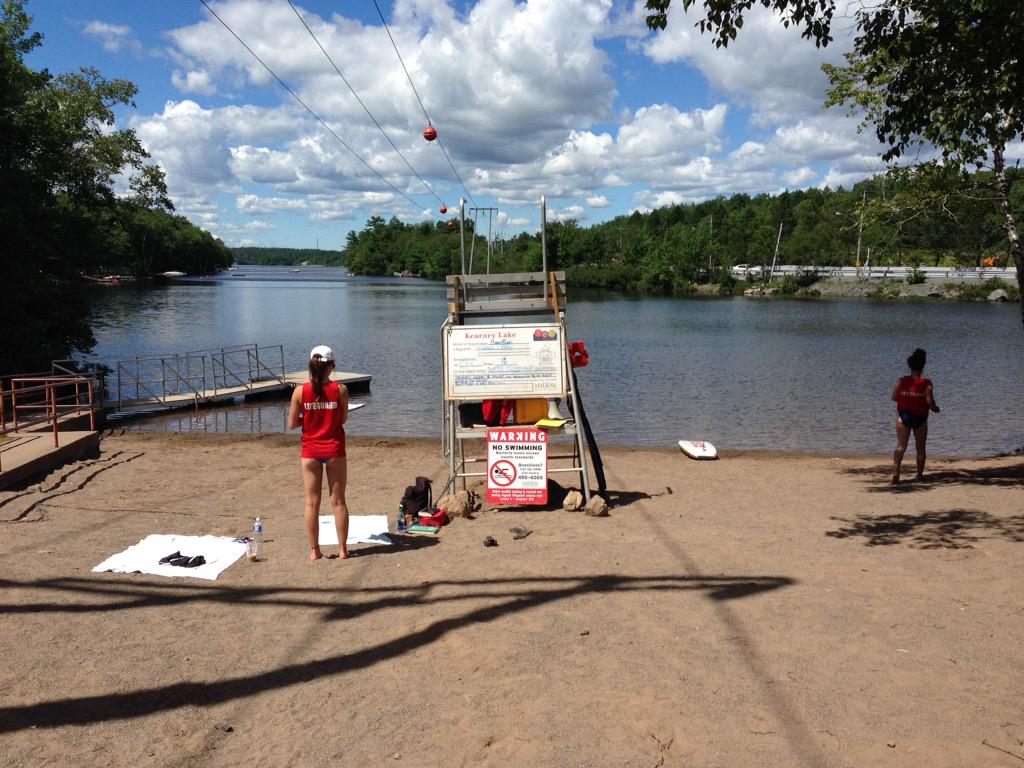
(362, 529)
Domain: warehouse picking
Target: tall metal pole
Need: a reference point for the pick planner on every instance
(544, 241)
(711, 239)
(490, 221)
(776, 256)
(860, 225)
(462, 235)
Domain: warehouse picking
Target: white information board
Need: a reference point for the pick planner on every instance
(504, 361)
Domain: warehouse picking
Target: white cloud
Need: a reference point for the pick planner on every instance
(254, 204)
(768, 67)
(522, 94)
(194, 81)
(663, 131)
(113, 37)
(800, 177)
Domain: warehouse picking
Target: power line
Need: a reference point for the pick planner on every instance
(306, 106)
(365, 108)
(413, 85)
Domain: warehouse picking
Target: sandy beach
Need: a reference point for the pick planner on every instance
(761, 610)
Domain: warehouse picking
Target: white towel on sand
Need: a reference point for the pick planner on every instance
(219, 551)
(362, 529)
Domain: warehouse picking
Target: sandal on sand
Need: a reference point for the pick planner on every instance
(166, 560)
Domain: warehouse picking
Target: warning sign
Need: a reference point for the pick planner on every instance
(517, 466)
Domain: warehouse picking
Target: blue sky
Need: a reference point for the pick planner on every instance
(573, 99)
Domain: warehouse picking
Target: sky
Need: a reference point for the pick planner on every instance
(575, 100)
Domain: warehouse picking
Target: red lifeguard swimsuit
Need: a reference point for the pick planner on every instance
(323, 432)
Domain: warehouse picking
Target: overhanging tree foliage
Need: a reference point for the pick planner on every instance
(942, 74)
(60, 155)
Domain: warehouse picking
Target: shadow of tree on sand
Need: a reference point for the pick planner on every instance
(952, 529)
(1008, 476)
(488, 600)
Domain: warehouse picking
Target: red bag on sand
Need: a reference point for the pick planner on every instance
(433, 516)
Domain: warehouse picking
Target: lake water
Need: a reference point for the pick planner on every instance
(743, 373)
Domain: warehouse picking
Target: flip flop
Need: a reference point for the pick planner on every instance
(194, 562)
(165, 560)
(179, 561)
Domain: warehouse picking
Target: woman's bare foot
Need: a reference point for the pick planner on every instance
(315, 553)
(343, 554)
(895, 479)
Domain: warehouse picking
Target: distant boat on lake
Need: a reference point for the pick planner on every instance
(103, 279)
(172, 273)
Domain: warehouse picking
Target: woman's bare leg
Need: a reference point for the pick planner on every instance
(902, 438)
(337, 479)
(312, 478)
(920, 438)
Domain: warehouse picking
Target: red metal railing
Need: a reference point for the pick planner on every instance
(34, 400)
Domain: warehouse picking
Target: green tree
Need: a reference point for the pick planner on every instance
(944, 73)
(60, 155)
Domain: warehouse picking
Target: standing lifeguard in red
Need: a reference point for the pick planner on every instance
(914, 398)
(320, 407)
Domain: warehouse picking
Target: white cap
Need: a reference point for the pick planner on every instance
(325, 353)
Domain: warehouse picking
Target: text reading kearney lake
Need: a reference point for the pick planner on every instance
(742, 373)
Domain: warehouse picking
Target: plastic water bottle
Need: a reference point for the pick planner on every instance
(257, 533)
(400, 527)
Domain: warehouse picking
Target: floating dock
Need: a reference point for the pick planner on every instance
(212, 396)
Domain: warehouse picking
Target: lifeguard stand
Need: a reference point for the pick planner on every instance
(500, 298)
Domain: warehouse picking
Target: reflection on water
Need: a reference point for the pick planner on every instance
(743, 373)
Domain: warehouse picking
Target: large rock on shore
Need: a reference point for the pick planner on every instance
(999, 295)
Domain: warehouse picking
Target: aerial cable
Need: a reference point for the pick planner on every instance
(306, 106)
(430, 125)
(365, 108)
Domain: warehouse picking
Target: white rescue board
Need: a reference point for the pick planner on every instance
(698, 449)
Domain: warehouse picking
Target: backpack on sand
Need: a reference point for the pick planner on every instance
(417, 497)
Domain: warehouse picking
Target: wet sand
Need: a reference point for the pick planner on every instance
(768, 610)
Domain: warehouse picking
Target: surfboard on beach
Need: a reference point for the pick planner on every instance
(698, 449)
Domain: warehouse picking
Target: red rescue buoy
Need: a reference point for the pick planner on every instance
(429, 133)
(444, 209)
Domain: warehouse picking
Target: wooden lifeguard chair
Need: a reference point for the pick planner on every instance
(502, 299)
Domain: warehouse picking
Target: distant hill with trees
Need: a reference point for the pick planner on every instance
(286, 257)
(669, 249)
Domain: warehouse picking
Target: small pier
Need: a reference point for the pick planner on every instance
(156, 383)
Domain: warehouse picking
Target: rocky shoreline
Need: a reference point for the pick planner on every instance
(876, 289)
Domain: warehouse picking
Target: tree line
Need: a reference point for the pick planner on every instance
(61, 158)
(670, 249)
(286, 257)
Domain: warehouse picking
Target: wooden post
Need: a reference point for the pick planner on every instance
(92, 410)
(53, 412)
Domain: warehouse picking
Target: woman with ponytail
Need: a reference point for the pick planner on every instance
(914, 398)
(320, 407)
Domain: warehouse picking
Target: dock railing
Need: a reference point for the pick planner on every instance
(201, 373)
(32, 400)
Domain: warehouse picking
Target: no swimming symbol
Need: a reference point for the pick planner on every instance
(503, 473)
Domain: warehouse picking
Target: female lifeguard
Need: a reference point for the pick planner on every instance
(914, 399)
(320, 406)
